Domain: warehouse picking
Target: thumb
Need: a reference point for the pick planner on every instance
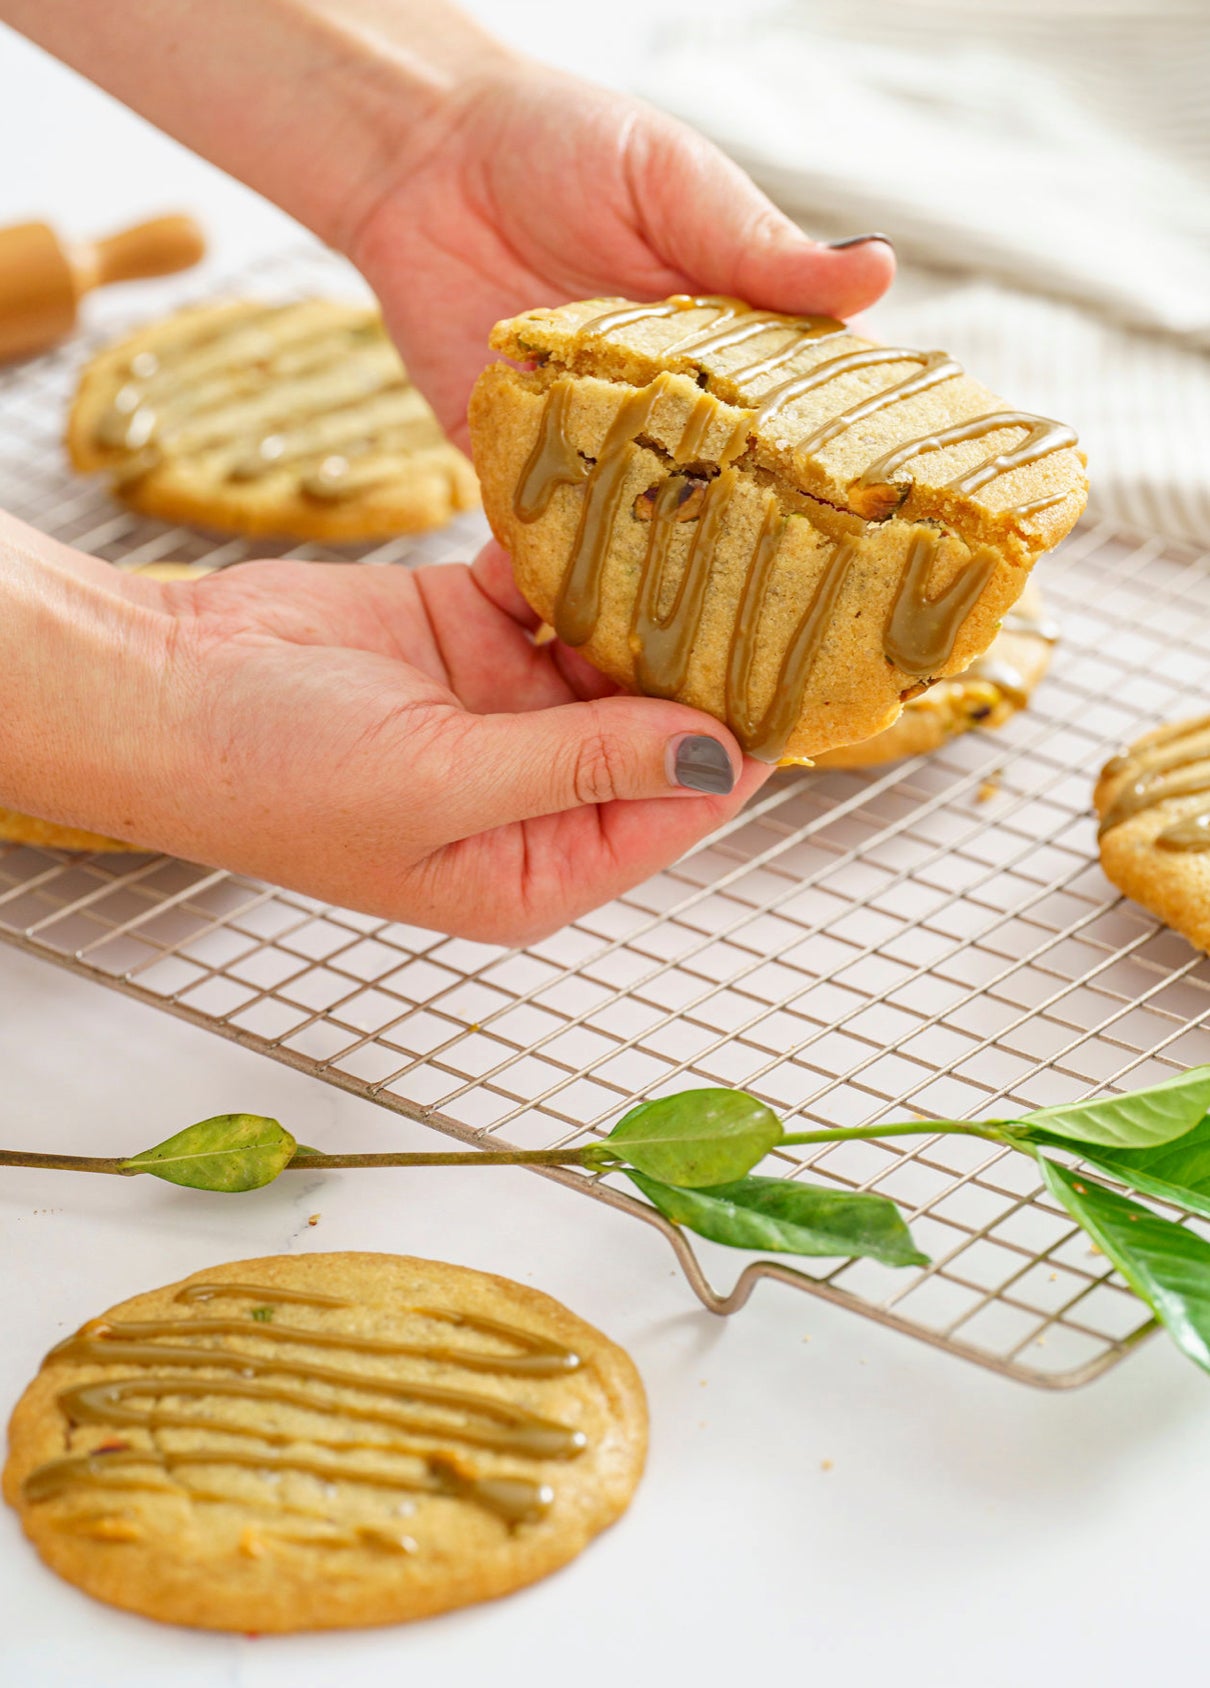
(546, 761)
(707, 218)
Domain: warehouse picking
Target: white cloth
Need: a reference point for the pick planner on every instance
(1044, 171)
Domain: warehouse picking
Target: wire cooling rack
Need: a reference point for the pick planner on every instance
(934, 939)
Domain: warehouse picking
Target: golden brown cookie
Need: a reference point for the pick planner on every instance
(763, 516)
(1154, 804)
(317, 1441)
(295, 419)
(994, 687)
(16, 828)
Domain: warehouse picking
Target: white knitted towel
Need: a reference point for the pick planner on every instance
(1044, 171)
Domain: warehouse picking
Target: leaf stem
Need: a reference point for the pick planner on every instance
(468, 1157)
(67, 1163)
(911, 1128)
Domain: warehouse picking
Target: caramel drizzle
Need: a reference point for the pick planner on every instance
(515, 1500)
(578, 604)
(1157, 777)
(920, 631)
(664, 643)
(269, 388)
(767, 737)
(1042, 436)
(484, 1421)
(938, 367)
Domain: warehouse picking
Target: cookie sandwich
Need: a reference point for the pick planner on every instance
(764, 516)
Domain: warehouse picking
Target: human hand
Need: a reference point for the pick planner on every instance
(527, 187)
(394, 741)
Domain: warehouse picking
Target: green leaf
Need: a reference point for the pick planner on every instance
(305, 1149)
(228, 1152)
(1177, 1172)
(1165, 1264)
(697, 1137)
(1134, 1121)
(785, 1217)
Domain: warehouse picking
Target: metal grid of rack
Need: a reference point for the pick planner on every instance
(933, 939)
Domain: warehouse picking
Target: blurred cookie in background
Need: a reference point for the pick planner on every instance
(296, 420)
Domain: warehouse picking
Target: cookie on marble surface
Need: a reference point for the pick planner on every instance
(762, 516)
(319, 1441)
(1154, 806)
(992, 689)
(296, 420)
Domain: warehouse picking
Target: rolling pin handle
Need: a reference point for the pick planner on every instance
(160, 247)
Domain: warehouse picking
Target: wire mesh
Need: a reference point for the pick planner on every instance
(934, 939)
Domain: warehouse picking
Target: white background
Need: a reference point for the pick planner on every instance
(825, 1501)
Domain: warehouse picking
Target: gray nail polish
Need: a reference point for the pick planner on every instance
(701, 764)
(860, 240)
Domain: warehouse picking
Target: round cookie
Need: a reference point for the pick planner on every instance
(319, 1441)
(762, 516)
(294, 419)
(994, 687)
(1153, 801)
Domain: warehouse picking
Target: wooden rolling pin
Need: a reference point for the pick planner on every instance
(43, 278)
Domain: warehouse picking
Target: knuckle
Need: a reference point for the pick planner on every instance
(601, 766)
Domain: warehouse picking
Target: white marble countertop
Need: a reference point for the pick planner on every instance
(824, 1497)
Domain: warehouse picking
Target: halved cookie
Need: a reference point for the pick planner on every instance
(764, 516)
(295, 419)
(1154, 805)
(316, 1441)
(994, 687)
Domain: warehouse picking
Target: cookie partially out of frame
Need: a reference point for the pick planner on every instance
(296, 419)
(1154, 806)
(16, 828)
(992, 689)
(762, 516)
(318, 1441)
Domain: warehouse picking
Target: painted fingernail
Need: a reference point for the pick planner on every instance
(860, 240)
(700, 763)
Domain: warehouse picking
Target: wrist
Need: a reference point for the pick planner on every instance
(83, 653)
(313, 103)
(397, 103)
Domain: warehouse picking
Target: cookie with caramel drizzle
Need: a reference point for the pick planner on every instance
(296, 419)
(764, 516)
(1153, 803)
(994, 688)
(316, 1441)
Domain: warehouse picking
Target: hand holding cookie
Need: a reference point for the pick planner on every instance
(392, 740)
(496, 218)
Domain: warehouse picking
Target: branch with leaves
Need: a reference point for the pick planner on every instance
(691, 1156)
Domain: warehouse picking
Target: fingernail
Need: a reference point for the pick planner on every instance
(700, 763)
(860, 240)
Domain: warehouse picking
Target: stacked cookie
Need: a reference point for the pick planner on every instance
(763, 516)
